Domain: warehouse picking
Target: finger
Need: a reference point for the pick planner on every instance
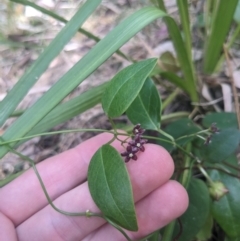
(153, 168)
(7, 229)
(59, 174)
(153, 212)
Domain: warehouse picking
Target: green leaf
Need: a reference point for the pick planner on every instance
(179, 82)
(222, 145)
(197, 213)
(206, 231)
(226, 211)
(110, 187)
(180, 130)
(125, 86)
(90, 62)
(155, 236)
(70, 109)
(227, 165)
(63, 20)
(220, 26)
(184, 59)
(17, 93)
(146, 108)
(169, 62)
(237, 13)
(232, 239)
(224, 120)
(67, 110)
(183, 7)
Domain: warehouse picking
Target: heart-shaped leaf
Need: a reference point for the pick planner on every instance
(198, 210)
(146, 108)
(110, 187)
(226, 211)
(125, 86)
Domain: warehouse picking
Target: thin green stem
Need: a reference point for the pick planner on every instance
(87, 213)
(170, 98)
(232, 166)
(118, 228)
(167, 135)
(205, 174)
(55, 133)
(194, 134)
(184, 179)
(173, 116)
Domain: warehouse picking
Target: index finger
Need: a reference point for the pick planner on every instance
(24, 196)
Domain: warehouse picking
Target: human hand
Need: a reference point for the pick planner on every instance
(26, 215)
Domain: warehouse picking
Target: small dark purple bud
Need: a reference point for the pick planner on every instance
(142, 148)
(124, 153)
(137, 138)
(134, 158)
(129, 148)
(127, 159)
(143, 141)
(208, 140)
(213, 128)
(131, 143)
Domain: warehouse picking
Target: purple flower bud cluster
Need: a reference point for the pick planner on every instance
(135, 145)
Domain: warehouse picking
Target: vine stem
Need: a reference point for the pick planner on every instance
(87, 213)
(194, 134)
(187, 163)
(57, 132)
(203, 171)
(167, 135)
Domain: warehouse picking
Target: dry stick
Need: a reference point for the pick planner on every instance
(234, 89)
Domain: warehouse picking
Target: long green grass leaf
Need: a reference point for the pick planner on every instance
(70, 109)
(90, 62)
(176, 80)
(183, 58)
(10, 102)
(183, 52)
(220, 26)
(63, 20)
(184, 15)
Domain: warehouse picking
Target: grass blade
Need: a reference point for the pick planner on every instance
(183, 58)
(184, 15)
(70, 109)
(220, 26)
(63, 20)
(90, 62)
(176, 80)
(17, 93)
(183, 52)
